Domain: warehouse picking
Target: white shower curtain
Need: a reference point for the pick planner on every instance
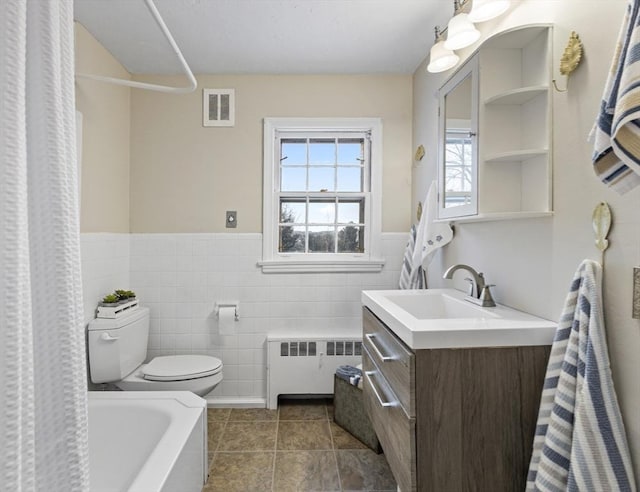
(43, 406)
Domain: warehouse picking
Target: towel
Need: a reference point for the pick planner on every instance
(616, 133)
(430, 236)
(351, 374)
(580, 442)
(407, 265)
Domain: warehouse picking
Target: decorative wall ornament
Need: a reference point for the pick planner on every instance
(419, 153)
(570, 58)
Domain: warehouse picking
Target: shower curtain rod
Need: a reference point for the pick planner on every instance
(154, 87)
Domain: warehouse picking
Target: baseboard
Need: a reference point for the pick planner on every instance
(235, 402)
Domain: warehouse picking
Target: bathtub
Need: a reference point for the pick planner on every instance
(147, 441)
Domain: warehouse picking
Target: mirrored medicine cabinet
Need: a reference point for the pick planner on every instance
(494, 130)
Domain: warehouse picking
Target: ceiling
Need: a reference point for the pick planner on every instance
(268, 36)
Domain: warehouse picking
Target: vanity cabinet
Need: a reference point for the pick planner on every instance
(513, 174)
(452, 419)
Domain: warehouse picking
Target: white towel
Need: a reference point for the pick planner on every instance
(407, 265)
(430, 235)
(616, 133)
(580, 443)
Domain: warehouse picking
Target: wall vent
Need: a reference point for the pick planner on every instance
(218, 107)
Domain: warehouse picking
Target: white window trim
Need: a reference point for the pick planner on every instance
(274, 262)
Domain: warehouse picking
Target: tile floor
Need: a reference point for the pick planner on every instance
(295, 448)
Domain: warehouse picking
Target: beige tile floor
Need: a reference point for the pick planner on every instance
(295, 448)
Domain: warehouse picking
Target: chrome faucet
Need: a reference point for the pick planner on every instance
(479, 292)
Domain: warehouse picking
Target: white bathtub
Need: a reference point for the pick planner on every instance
(147, 441)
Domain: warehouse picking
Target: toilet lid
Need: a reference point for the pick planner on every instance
(181, 367)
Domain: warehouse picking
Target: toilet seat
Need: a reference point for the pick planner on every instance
(181, 367)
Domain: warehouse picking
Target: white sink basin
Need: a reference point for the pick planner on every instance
(424, 304)
(442, 318)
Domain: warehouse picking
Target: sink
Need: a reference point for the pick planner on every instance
(423, 304)
(442, 318)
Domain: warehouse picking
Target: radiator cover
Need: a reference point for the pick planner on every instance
(306, 365)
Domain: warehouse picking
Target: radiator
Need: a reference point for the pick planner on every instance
(306, 365)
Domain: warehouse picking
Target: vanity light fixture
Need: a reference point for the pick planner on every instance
(484, 10)
(460, 31)
(441, 58)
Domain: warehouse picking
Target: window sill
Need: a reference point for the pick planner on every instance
(345, 266)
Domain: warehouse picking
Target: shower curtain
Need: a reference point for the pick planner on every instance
(43, 406)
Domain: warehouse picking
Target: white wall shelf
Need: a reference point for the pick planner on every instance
(516, 155)
(514, 161)
(496, 216)
(517, 96)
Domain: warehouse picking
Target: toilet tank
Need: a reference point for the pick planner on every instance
(117, 346)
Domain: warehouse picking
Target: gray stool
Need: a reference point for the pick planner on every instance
(349, 413)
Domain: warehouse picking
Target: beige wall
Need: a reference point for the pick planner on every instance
(105, 137)
(532, 261)
(185, 176)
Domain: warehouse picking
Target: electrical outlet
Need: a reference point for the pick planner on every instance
(232, 219)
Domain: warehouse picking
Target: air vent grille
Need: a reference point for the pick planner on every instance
(218, 107)
(310, 349)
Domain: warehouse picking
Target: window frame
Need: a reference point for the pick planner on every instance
(274, 261)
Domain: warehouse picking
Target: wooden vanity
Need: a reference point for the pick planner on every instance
(452, 419)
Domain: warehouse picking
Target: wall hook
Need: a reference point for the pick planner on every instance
(601, 222)
(570, 59)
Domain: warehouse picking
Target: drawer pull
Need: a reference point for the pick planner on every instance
(385, 358)
(383, 403)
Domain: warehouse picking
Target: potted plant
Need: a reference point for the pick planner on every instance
(110, 300)
(125, 295)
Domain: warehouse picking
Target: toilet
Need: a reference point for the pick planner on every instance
(118, 349)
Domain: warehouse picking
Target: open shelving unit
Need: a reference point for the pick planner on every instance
(514, 146)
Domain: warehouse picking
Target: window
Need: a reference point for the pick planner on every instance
(322, 186)
(458, 166)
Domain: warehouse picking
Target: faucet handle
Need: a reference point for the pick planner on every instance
(485, 296)
(472, 284)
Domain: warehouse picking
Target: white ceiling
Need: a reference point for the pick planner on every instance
(268, 36)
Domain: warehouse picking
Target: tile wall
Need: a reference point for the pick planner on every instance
(180, 277)
(105, 267)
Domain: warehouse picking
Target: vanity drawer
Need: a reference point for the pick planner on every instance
(395, 430)
(395, 360)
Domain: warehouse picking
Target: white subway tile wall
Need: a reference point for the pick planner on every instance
(180, 277)
(105, 267)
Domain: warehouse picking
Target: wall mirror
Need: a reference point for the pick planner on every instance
(458, 144)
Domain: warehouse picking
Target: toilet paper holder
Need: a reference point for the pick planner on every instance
(233, 304)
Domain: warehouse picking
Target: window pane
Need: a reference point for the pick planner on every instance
(322, 178)
(293, 211)
(291, 239)
(321, 239)
(458, 163)
(351, 239)
(293, 178)
(322, 151)
(322, 211)
(293, 152)
(349, 179)
(350, 151)
(351, 212)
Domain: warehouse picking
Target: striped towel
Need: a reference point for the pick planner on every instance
(580, 442)
(407, 280)
(616, 133)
